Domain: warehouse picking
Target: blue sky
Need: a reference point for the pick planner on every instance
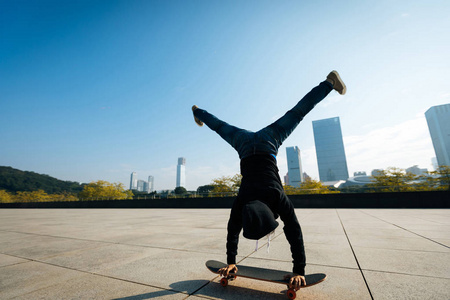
(94, 90)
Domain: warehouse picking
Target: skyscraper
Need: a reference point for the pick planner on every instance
(151, 183)
(330, 150)
(438, 119)
(295, 172)
(133, 181)
(181, 172)
(142, 185)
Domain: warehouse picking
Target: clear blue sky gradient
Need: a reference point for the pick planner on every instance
(94, 90)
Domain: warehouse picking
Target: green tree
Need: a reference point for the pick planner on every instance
(103, 190)
(180, 190)
(291, 190)
(205, 189)
(6, 197)
(309, 186)
(226, 185)
(35, 196)
(441, 178)
(315, 187)
(13, 181)
(393, 180)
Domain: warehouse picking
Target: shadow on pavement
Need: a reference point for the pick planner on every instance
(214, 290)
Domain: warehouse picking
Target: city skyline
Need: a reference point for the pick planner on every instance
(141, 185)
(97, 90)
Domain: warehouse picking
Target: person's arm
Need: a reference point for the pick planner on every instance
(293, 234)
(234, 228)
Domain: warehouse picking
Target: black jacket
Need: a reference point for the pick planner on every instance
(260, 181)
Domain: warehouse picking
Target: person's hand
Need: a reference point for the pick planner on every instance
(225, 271)
(296, 281)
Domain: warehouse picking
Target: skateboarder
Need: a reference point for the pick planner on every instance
(261, 198)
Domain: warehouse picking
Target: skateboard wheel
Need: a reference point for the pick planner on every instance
(224, 282)
(291, 294)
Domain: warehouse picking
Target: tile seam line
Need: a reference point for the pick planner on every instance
(354, 254)
(404, 229)
(108, 243)
(308, 264)
(409, 216)
(99, 275)
(406, 274)
(404, 250)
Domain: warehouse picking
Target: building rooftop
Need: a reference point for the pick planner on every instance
(161, 253)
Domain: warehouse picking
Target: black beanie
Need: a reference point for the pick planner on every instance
(257, 220)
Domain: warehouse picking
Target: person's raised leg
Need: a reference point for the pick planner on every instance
(233, 135)
(278, 131)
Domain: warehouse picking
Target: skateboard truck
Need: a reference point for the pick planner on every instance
(224, 280)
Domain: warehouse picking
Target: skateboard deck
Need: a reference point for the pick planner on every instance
(263, 274)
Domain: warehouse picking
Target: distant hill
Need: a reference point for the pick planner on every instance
(13, 180)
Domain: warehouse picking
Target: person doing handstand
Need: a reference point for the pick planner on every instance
(261, 198)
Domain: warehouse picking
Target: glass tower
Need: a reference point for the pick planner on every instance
(295, 173)
(438, 119)
(133, 181)
(151, 187)
(330, 150)
(181, 172)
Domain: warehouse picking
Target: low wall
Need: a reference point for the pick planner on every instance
(435, 199)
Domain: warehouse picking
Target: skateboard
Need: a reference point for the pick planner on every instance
(274, 276)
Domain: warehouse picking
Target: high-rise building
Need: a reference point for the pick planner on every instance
(295, 172)
(181, 172)
(142, 185)
(286, 179)
(438, 119)
(133, 181)
(330, 150)
(416, 170)
(151, 183)
(434, 163)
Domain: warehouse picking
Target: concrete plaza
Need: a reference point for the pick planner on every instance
(161, 253)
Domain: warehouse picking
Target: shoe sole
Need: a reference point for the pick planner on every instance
(197, 121)
(340, 82)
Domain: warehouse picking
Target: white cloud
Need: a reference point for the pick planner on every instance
(402, 145)
(444, 96)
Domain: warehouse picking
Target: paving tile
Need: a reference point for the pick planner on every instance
(433, 264)
(36, 246)
(7, 260)
(325, 238)
(400, 286)
(380, 232)
(445, 242)
(181, 271)
(433, 234)
(88, 286)
(339, 254)
(400, 243)
(21, 279)
(102, 258)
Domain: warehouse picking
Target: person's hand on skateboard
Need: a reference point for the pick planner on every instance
(296, 281)
(228, 269)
